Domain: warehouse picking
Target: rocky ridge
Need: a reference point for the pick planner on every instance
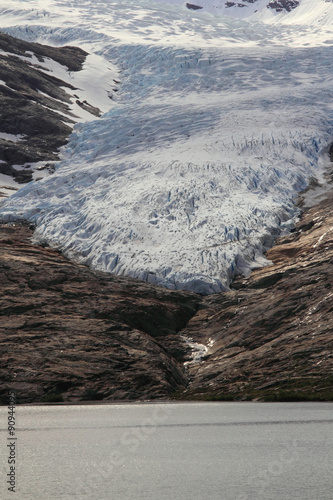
(36, 119)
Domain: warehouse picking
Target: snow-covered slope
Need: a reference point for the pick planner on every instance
(286, 11)
(218, 124)
(239, 8)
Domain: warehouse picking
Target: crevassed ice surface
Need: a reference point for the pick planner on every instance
(218, 124)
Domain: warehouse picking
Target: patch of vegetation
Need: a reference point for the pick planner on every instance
(297, 389)
(293, 396)
(204, 396)
(92, 395)
(52, 398)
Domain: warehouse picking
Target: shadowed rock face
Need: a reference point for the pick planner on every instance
(30, 103)
(71, 334)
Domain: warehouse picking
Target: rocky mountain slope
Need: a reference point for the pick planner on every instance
(243, 8)
(273, 334)
(41, 99)
(70, 334)
(82, 335)
(35, 113)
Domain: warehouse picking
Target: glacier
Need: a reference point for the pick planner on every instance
(217, 125)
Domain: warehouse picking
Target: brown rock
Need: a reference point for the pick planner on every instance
(69, 334)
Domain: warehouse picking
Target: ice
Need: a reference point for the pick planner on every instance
(215, 126)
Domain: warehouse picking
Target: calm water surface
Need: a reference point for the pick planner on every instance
(194, 451)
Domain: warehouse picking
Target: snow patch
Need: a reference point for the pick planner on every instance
(12, 137)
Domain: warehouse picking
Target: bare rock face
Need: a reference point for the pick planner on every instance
(70, 334)
(192, 6)
(33, 104)
(273, 334)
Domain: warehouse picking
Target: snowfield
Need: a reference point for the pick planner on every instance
(218, 123)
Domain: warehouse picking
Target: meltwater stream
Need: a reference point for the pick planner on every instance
(193, 451)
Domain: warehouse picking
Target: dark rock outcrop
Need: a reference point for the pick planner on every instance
(280, 5)
(191, 6)
(69, 333)
(34, 104)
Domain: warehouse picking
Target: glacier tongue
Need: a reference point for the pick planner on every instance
(215, 129)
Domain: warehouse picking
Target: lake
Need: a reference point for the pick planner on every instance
(171, 451)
